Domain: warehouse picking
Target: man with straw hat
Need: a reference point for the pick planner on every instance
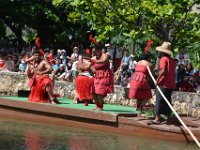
(166, 81)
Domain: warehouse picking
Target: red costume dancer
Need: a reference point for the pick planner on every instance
(84, 81)
(40, 83)
(103, 81)
(139, 86)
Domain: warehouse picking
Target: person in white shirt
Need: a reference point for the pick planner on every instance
(183, 58)
(132, 64)
(74, 70)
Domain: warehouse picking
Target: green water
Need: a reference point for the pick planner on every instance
(20, 135)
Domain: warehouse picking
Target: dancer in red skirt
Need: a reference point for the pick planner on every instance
(139, 86)
(84, 81)
(40, 83)
(103, 81)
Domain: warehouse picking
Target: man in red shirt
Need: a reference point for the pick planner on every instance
(166, 81)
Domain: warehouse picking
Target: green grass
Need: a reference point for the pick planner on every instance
(68, 103)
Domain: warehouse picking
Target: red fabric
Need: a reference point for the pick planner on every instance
(93, 40)
(1, 64)
(118, 61)
(51, 58)
(169, 77)
(139, 87)
(41, 52)
(103, 81)
(38, 89)
(37, 42)
(186, 87)
(84, 87)
(148, 45)
(34, 141)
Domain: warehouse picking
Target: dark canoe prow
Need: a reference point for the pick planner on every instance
(113, 119)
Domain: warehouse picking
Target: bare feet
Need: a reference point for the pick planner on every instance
(75, 101)
(99, 109)
(85, 103)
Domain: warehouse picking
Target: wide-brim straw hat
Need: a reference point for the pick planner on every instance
(165, 48)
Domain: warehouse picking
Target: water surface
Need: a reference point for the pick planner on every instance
(21, 135)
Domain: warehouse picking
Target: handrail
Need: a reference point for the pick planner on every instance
(170, 106)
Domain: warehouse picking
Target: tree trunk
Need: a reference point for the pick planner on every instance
(132, 47)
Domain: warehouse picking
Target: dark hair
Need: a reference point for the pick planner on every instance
(98, 47)
(145, 56)
(36, 51)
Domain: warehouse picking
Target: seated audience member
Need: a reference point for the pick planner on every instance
(17, 61)
(57, 65)
(57, 73)
(9, 64)
(65, 75)
(22, 66)
(185, 86)
(189, 70)
(63, 57)
(75, 56)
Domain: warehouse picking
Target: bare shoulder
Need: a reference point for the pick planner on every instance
(93, 58)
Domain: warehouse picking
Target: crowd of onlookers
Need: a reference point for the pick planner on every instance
(64, 65)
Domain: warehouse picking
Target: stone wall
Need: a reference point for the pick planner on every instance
(184, 103)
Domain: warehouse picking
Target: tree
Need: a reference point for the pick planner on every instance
(160, 20)
(165, 19)
(49, 21)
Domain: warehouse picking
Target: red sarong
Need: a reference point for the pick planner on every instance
(84, 87)
(38, 89)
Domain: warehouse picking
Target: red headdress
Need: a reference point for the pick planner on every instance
(148, 45)
(38, 45)
(93, 40)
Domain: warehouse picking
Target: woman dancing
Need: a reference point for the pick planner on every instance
(103, 80)
(139, 86)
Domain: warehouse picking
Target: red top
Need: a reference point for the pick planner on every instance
(168, 79)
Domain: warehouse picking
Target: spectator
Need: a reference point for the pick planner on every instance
(16, 62)
(75, 55)
(58, 53)
(9, 64)
(57, 73)
(181, 74)
(132, 64)
(125, 63)
(189, 70)
(182, 57)
(118, 56)
(22, 66)
(65, 75)
(185, 86)
(74, 70)
(57, 64)
(63, 57)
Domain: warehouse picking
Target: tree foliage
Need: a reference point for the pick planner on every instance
(160, 20)
(48, 19)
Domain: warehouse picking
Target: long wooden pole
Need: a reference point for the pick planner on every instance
(170, 106)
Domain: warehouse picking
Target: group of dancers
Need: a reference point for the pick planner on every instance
(95, 79)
